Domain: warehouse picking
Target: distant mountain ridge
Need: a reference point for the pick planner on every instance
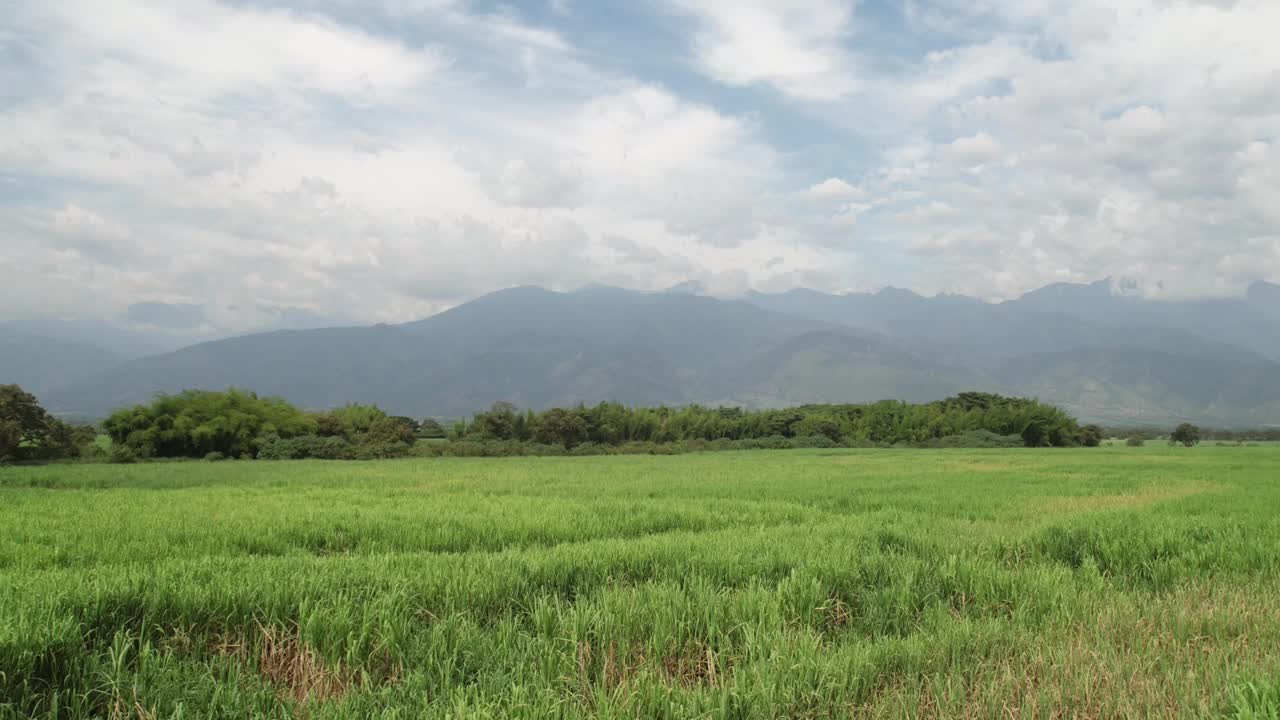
(1104, 356)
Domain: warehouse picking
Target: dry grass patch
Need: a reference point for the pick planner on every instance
(296, 670)
(611, 668)
(1178, 655)
(1137, 500)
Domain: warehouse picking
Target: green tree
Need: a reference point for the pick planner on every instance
(28, 432)
(23, 423)
(408, 422)
(195, 423)
(499, 423)
(1186, 434)
(431, 429)
(358, 418)
(10, 439)
(1135, 441)
(329, 425)
(1090, 436)
(819, 425)
(388, 430)
(560, 427)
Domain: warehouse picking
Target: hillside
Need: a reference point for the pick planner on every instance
(40, 364)
(1103, 356)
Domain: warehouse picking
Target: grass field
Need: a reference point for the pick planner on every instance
(1112, 582)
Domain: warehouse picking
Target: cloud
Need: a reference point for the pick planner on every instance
(797, 48)
(174, 316)
(630, 251)
(382, 160)
(1086, 146)
(400, 183)
(976, 149)
(834, 189)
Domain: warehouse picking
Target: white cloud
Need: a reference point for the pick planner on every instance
(834, 188)
(250, 155)
(975, 149)
(243, 185)
(798, 48)
(1109, 151)
(204, 50)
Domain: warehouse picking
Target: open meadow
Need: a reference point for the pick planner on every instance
(1108, 582)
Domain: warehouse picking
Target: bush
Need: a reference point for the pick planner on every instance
(590, 448)
(773, 442)
(1135, 441)
(306, 446)
(430, 429)
(814, 441)
(123, 455)
(387, 431)
(649, 448)
(1090, 436)
(976, 439)
(380, 451)
(215, 456)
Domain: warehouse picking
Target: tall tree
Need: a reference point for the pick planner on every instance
(27, 431)
(1186, 434)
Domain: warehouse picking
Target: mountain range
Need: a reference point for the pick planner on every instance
(1093, 349)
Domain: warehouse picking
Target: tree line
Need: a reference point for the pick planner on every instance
(889, 422)
(240, 424)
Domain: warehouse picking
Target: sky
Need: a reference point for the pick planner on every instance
(228, 165)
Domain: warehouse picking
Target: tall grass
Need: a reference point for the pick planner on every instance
(1123, 582)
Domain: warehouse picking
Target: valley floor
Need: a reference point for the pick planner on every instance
(1106, 582)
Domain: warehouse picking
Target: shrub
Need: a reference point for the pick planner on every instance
(386, 431)
(1090, 436)
(650, 448)
(773, 442)
(430, 429)
(976, 439)
(590, 448)
(814, 441)
(306, 446)
(1135, 441)
(215, 456)
(123, 455)
(379, 451)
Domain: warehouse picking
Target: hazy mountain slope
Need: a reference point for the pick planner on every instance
(538, 348)
(548, 372)
(974, 332)
(315, 368)
(1265, 296)
(1140, 385)
(39, 363)
(827, 366)
(1251, 322)
(870, 311)
(692, 331)
(524, 345)
(120, 342)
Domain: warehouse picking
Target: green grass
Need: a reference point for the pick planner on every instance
(1112, 582)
